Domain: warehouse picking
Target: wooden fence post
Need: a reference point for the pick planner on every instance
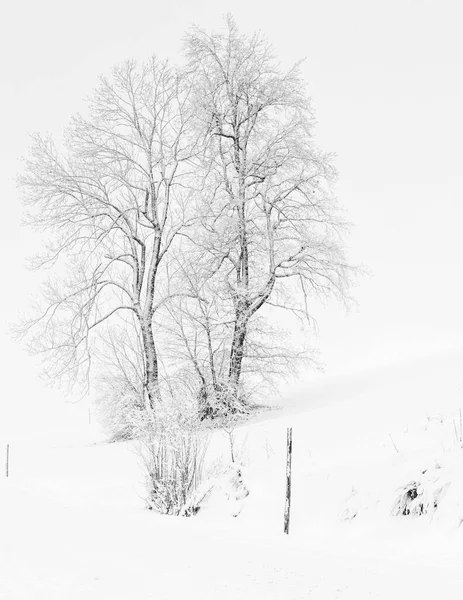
(7, 464)
(289, 454)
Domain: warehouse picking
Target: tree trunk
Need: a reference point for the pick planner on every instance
(237, 352)
(151, 363)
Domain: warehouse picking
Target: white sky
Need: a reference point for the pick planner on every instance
(386, 83)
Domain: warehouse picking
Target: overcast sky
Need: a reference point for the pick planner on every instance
(386, 83)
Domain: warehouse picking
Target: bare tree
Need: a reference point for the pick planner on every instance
(271, 225)
(200, 324)
(197, 331)
(112, 200)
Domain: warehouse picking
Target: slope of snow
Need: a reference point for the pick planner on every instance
(73, 523)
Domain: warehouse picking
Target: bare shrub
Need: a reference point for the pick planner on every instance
(172, 453)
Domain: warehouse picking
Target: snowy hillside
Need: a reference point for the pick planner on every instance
(73, 523)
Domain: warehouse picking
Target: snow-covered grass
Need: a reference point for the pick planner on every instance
(73, 523)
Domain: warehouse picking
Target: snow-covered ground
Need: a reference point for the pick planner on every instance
(73, 523)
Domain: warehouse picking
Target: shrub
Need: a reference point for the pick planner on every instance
(409, 501)
(423, 496)
(221, 402)
(172, 454)
(119, 407)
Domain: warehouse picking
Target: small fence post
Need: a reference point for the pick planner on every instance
(289, 454)
(7, 464)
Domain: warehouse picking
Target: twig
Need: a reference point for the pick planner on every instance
(461, 429)
(393, 443)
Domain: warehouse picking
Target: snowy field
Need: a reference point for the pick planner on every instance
(73, 523)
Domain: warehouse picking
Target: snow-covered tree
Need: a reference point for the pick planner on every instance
(111, 201)
(271, 230)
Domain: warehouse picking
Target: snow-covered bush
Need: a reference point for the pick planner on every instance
(220, 402)
(435, 493)
(172, 450)
(119, 381)
(119, 411)
(225, 414)
(224, 493)
(410, 501)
